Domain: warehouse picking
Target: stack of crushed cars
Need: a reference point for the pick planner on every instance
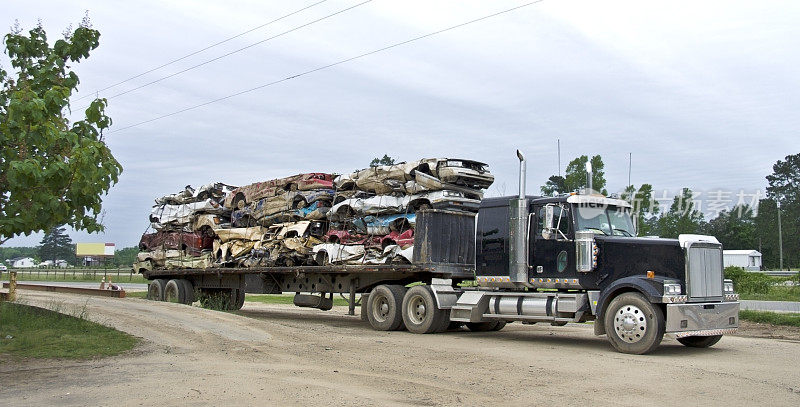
(367, 217)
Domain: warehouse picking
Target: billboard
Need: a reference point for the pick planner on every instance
(94, 249)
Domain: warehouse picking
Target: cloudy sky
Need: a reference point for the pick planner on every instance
(703, 94)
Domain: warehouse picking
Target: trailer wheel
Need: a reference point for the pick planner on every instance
(188, 290)
(364, 301)
(155, 290)
(383, 307)
(700, 341)
(420, 313)
(633, 324)
(238, 297)
(173, 292)
(484, 326)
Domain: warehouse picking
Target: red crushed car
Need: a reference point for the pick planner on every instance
(240, 197)
(193, 243)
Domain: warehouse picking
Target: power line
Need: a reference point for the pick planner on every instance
(238, 50)
(343, 61)
(201, 50)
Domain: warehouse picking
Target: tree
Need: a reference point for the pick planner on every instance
(377, 162)
(52, 172)
(125, 257)
(736, 230)
(575, 177)
(57, 245)
(645, 208)
(784, 187)
(682, 217)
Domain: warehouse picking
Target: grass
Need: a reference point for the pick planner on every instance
(776, 293)
(136, 294)
(285, 299)
(33, 332)
(774, 318)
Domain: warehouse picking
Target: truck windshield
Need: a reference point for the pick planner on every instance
(607, 220)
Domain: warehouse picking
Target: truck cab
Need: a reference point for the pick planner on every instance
(581, 260)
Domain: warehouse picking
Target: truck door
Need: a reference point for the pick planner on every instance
(552, 253)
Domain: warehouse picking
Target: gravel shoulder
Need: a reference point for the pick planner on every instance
(279, 354)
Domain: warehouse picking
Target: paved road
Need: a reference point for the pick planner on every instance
(281, 355)
(776, 306)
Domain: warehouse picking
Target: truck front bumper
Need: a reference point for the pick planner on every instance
(702, 319)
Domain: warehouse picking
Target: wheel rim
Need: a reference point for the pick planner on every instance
(630, 323)
(417, 310)
(380, 309)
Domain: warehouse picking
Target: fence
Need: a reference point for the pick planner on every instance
(74, 274)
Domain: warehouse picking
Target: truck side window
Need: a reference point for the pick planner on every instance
(561, 218)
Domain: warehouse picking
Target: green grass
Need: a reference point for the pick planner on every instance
(136, 294)
(776, 293)
(285, 299)
(78, 276)
(774, 318)
(40, 333)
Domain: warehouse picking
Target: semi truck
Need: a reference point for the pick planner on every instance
(526, 259)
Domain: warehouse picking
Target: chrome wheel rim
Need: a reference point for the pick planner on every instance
(630, 323)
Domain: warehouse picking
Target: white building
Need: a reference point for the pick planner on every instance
(747, 259)
(23, 262)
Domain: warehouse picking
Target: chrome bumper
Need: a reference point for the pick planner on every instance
(702, 319)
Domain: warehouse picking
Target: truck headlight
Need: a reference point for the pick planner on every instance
(672, 289)
(727, 286)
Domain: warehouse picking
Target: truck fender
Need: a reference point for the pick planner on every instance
(651, 288)
(444, 293)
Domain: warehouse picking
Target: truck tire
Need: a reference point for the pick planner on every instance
(188, 290)
(420, 313)
(155, 290)
(364, 301)
(633, 324)
(237, 297)
(173, 292)
(699, 341)
(383, 307)
(483, 326)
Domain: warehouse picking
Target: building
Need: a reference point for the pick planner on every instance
(747, 259)
(23, 262)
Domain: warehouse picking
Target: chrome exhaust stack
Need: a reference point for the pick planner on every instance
(518, 230)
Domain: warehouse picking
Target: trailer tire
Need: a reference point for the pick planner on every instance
(237, 299)
(420, 313)
(173, 292)
(155, 290)
(633, 324)
(699, 341)
(188, 291)
(483, 326)
(364, 301)
(384, 306)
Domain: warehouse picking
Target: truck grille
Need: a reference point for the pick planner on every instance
(704, 272)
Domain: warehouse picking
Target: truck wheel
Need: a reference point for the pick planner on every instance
(633, 324)
(500, 325)
(173, 292)
(420, 313)
(364, 301)
(700, 341)
(383, 307)
(155, 290)
(237, 296)
(187, 289)
(483, 326)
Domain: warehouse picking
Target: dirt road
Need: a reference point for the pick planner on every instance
(281, 355)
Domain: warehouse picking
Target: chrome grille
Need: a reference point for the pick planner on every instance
(704, 272)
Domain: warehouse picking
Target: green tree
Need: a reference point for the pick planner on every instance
(735, 229)
(124, 258)
(682, 217)
(575, 177)
(377, 162)
(52, 172)
(645, 208)
(782, 187)
(57, 245)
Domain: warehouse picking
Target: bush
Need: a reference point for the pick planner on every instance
(749, 283)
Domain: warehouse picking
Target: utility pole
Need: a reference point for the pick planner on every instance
(630, 160)
(780, 236)
(559, 157)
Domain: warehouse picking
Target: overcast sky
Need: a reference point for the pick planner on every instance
(703, 94)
